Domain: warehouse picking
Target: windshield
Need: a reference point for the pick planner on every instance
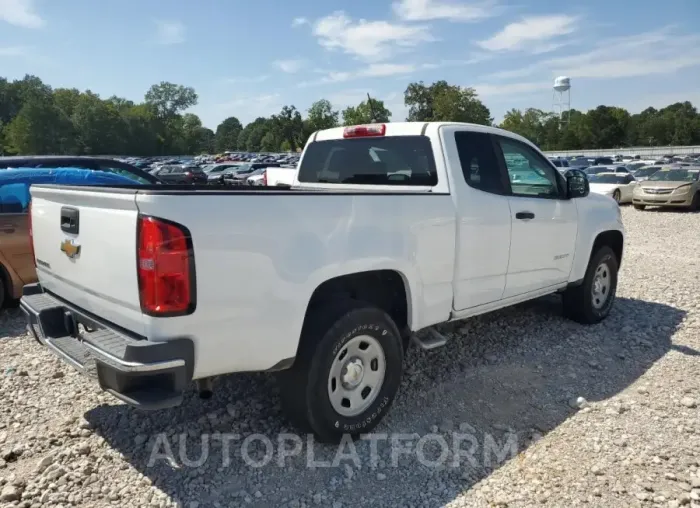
(647, 171)
(603, 178)
(603, 160)
(596, 169)
(239, 168)
(675, 175)
(390, 160)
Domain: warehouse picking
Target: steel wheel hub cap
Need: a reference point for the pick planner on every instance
(600, 291)
(354, 371)
(356, 375)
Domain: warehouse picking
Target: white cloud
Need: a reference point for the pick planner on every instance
(299, 21)
(530, 33)
(169, 32)
(350, 97)
(630, 67)
(374, 70)
(249, 80)
(491, 90)
(368, 40)
(258, 99)
(386, 69)
(426, 10)
(661, 51)
(13, 51)
(20, 13)
(290, 66)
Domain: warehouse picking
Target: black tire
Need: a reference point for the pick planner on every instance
(304, 387)
(617, 196)
(695, 204)
(3, 288)
(640, 207)
(579, 300)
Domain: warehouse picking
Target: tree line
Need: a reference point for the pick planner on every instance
(38, 119)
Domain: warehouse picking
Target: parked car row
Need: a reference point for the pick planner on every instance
(228, 169)
(668, 186)
(620, 177)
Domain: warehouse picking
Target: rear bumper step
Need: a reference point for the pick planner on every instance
(149, 375)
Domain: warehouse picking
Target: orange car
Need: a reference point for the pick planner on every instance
(16, 260)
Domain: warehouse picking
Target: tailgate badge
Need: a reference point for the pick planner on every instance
(70, 248)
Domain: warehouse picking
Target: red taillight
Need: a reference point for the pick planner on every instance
(165, 263)
(364, 131)
(265, 178)
(31, 234)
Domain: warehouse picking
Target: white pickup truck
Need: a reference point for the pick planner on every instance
(387, 229)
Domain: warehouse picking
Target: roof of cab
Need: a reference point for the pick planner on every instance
(415, 129)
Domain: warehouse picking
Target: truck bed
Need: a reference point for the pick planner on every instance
(258, 261)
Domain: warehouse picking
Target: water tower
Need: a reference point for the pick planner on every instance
(561, 98)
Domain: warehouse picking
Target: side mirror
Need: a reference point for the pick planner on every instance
(576, 184)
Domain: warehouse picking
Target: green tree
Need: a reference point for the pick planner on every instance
(169, 99)
(39, 128)
(607, 127)
(97, 126)
(66, 99)
(369, 111)
(227, 134)
(288, 126)
(322, 116)
(442, 102)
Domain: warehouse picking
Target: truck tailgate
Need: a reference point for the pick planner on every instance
(85, 249)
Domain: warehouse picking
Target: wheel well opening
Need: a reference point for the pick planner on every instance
(384, 289)
(612, 239)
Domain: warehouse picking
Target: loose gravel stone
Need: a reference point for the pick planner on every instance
(524, 407)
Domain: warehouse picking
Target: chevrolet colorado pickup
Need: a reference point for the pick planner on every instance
(387, 229)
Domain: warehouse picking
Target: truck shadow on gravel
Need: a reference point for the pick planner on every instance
(506, 379)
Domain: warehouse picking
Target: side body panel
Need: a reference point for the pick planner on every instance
(259, 259)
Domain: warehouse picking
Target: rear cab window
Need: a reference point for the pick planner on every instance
(390, 160)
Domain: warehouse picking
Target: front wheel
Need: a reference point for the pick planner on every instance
(591, 301)
(347, 373)
(616, 196)
(695, 204)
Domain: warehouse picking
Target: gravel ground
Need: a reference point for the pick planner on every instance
(528, 410)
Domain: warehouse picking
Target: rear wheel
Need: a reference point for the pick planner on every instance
(3, 287)
(639, 207)
(347, 372)
(591, 301)
(616, 196)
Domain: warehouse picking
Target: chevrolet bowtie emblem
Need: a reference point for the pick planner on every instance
(70, 248)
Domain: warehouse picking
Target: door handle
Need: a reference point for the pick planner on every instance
(524, 215)
(8, 229)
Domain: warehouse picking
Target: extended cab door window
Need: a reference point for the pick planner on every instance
(529, 173)
(483, 218)
(479, 162)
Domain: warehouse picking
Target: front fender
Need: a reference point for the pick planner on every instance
(597, 214)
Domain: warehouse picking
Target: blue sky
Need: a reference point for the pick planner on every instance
(249, 58)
